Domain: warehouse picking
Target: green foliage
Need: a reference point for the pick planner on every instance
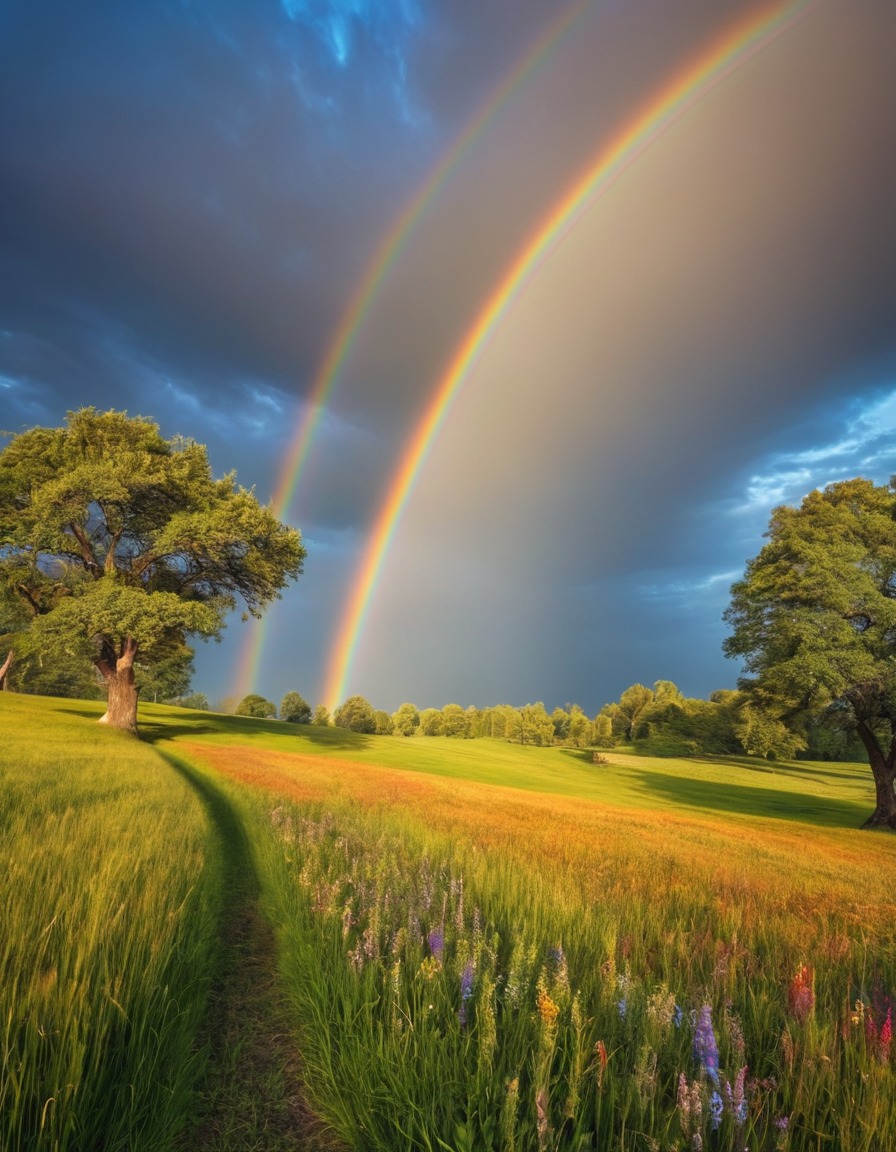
(406, 720)
(257, 706)
(431, 723)
(814, 619)
(197, 701)
(168, 679)
(295, 709)
(763, 735)
(118, 544)
(356, 714)
(455, 722)
(383, 722)
(321, 716)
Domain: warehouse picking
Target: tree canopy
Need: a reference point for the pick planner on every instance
(814, 619)
(118, 543)
(295, 709)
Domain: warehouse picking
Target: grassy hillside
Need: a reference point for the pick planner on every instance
(108, 895)
(488, 946)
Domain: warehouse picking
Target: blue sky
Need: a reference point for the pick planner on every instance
(190, 193)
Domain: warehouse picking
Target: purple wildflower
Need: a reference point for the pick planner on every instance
(706, 1051)
(716, 1108)
(436, 942)
(622, 1008)
(782, 1123)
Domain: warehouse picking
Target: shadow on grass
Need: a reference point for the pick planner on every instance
(772, 803)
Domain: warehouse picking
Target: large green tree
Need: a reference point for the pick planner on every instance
(119, 543)
(814, 619)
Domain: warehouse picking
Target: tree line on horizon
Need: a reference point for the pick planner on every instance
(657, 721)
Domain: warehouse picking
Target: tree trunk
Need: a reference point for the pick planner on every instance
(883, 769)
(4, 670)
(121, 688)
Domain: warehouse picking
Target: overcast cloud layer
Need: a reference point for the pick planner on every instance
(190, 193)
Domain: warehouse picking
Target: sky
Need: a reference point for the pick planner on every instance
(199, 200)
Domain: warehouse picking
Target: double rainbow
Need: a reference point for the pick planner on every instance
(744, 40)
(387, 253)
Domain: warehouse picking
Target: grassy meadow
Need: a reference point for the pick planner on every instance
(480, 945)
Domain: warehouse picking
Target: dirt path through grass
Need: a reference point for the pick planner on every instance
(250, 1099)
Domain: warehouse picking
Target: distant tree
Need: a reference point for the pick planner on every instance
(430, 722)
(167, 678)
(321, 716)
(198, 701)
(257, 706)
(119, 544)
(356, 714)
(602, 731)
(537, 726)
(294, 709)
(579, 728)
(814, 619)
(627, 715)
(406, 720)
(383, 721)
(455, 722)
(560, 720)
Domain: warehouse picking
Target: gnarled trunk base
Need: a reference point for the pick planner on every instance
(4, 670)
(121, 688)
(882, 818)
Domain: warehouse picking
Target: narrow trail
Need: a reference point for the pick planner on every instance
(250, 1097)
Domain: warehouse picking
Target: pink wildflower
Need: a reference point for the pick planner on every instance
(801, 994)
(886, 1036)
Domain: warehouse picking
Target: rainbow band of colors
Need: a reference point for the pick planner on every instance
(364, 296)
(748, 37)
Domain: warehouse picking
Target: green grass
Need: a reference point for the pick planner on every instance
(561, 888)
(704, 884)
(107, 925)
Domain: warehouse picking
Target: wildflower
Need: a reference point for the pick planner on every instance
(716, 1107)
(677, 1016)
(600, 1050)
(548, 1010)
(661, 1008)
(466, 991)
(689, 1104)
(429, 967)
(858, 1015)
(801, 994)
(622, 1008)
(706, 1051)
(886, 1036)
(436, 942)
(782, 1123)
(737, 1100)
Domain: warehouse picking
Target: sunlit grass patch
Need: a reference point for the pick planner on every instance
(107, 926)
(602, 927)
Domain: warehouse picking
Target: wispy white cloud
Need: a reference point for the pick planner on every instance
(866, 447)
(678, 588)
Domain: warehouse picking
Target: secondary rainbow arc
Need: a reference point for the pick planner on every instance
(740, 43)
(365, 294)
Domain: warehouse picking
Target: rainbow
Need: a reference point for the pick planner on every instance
(744, 40)
(384, 258)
